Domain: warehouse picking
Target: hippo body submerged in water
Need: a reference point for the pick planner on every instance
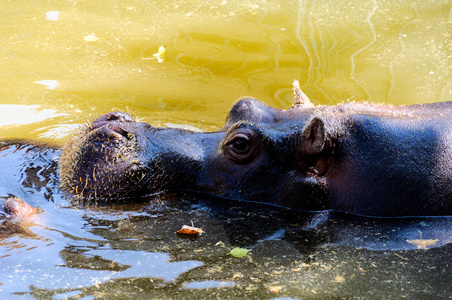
(367, 159)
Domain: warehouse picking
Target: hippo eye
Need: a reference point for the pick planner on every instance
(241, 146)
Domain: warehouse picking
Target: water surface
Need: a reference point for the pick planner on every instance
(66, 62)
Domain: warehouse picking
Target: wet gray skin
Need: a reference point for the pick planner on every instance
(365, 159)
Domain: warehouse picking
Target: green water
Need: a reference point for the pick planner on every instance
(52, 80)
(395, 52)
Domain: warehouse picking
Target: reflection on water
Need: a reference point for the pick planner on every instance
(53, 78)
(13, 115)
(50, 84)
(99, 266)
(208, 284)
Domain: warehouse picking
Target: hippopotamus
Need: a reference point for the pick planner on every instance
(360, 158)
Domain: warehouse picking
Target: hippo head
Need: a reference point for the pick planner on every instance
(262, 154)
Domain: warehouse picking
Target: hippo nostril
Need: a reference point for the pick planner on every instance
(119, 130)
(112, 117)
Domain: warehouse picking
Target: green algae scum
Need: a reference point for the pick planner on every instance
(65, 63)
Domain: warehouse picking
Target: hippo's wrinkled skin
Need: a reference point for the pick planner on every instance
(367, 159)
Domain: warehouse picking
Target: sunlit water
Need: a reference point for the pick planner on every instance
(67, 62)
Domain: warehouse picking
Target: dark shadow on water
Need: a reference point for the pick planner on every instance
(248, 224)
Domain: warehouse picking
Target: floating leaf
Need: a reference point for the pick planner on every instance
(239, 252)
(161, 54)
(91, 38)
(190, 230)
(423, 244)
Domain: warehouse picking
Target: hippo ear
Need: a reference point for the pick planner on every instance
(312, 139)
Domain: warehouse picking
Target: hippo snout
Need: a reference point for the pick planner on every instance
(104, 159)
(113, 131)
(113, 125)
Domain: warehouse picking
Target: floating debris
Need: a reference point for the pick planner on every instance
(161, 54)
(339, 279)
(17, 207)
(275, 289)
(423, 244)
(190, 230)
(239, 252)
(91, 38)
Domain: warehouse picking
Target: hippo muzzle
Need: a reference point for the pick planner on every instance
(103, 160)
(116, 158)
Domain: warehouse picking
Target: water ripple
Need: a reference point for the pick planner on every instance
(391, 63)
(300, 20)
(374, 38)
